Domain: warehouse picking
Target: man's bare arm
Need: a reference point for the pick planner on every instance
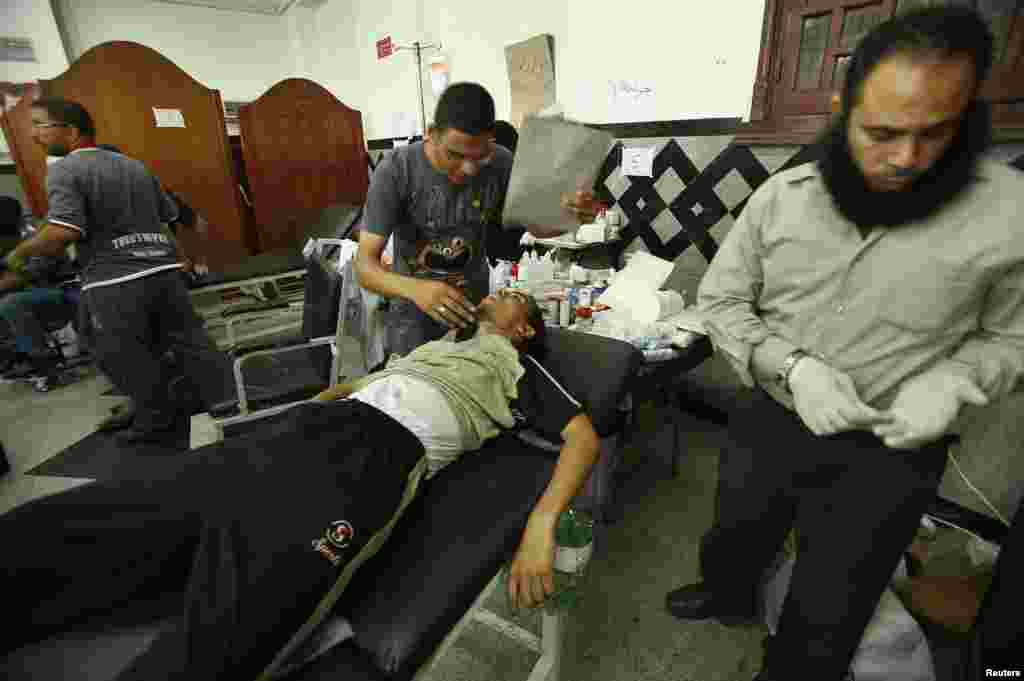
(440, 301)
(338, 392)
(51, 240)
(532, 575)
(373, 276)
(10, 281)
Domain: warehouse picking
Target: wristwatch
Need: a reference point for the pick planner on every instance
(787, 367)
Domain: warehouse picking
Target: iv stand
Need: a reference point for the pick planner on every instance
(418, 48)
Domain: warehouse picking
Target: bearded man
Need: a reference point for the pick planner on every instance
(863, 300)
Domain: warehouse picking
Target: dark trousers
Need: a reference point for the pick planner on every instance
(230, 527)
(855, 505)
(133, 324)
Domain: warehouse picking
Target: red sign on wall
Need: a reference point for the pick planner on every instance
(384, 48)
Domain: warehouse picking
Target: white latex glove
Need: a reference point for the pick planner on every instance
(925, 408)
(827, 401)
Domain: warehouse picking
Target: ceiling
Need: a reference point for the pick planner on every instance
(273, 7)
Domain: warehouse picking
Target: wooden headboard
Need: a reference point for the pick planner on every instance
(29, 158)
(121, 83)
(304, 151)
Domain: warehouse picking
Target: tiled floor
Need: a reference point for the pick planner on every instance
(36, 426)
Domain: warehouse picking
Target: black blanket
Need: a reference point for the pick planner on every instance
(280, 518)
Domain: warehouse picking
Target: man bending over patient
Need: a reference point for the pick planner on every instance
(232, 525)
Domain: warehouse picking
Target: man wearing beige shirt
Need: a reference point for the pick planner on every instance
(863, 300)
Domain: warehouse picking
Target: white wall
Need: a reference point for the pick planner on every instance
(240, 54)
(32, 19)
(671, 46)
(700, 58)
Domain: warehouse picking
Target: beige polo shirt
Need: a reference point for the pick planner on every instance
(942, 294)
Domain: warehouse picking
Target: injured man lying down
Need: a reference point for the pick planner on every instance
(266, 528)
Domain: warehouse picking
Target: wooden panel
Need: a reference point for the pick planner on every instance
(120, 83)
(304, 151)
(29, 158)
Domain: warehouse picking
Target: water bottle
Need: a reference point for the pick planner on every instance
(574, 545)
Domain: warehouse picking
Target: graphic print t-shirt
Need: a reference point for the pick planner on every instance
(440, 230)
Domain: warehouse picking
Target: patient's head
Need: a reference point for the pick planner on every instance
(514, 314)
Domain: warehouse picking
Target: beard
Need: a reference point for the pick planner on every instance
(58, 150)
(936, 188)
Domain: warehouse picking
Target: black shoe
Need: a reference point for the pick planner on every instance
(121, 418)
(696, 602)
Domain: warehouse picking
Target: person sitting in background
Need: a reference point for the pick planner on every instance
(863, 300)
(31, 295)
(253, 575)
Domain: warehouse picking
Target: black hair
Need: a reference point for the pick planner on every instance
(506, 135)
(466, 107)
(10, 216)
(535, 316)
(67, 112)
(186, 215)
(949, 31)
(109, 147)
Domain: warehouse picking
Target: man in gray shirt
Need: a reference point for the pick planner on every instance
(863, 300)
(441, 199)
(133, 292)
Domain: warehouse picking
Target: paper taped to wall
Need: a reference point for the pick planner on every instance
(554, 157)
(168, 118)
(638, 161)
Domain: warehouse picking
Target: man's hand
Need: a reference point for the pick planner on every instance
(10, 281)
(827, 400)
(583, 205)
(925, 407)
(338, 392)
(532, 574)
(444, 303)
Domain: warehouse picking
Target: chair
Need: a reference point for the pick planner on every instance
(53, 322)
(279, 377)
(403, 624)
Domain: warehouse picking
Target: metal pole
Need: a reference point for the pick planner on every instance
(419, 84)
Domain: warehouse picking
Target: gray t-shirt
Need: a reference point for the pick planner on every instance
(117, 205)
(440, 230)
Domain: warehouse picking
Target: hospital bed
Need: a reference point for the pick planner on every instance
(410, 601)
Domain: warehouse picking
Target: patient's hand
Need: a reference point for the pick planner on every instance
(338, 392)
(532, 577)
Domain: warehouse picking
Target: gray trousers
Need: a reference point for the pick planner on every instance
(132, 325)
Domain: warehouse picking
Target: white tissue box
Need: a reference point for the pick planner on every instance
(591, 234)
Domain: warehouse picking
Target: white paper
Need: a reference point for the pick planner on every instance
(634, 291)
(638, 161)
(631, 101)
(404, 124)
(554, 157)
(168, 118)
